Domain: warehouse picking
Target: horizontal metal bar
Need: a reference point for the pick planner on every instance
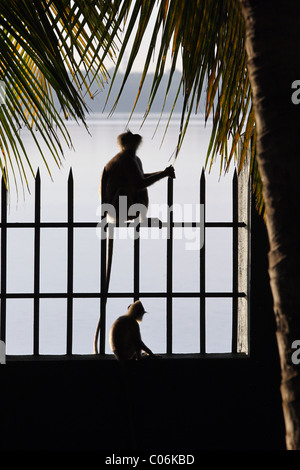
(94, 225)
(64, 295)
(224, 224)
(51, 224)
(110, 357)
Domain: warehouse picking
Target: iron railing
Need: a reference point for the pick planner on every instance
(235, 294)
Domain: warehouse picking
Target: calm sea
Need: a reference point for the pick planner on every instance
(91, 151)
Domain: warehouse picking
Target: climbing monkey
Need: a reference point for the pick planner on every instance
(125, 336)
(123, 176)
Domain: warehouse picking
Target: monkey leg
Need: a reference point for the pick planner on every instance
(121, 203)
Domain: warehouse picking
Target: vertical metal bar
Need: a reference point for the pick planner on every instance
(3, 259)
(170, 267)
(70, 262)
(202, 271)
(136, 263)
(37, 242)
(249, 233)
(104, 236)
(234, 262)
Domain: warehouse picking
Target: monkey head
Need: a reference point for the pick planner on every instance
(129, 141)
(136, 310)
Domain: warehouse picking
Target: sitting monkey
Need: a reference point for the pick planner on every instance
(125, 336)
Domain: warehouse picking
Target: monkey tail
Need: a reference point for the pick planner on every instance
(110, 246)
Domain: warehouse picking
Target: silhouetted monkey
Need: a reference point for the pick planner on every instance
(123, 175)
(126, 344)
(125, 336)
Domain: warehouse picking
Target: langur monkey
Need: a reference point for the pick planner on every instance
(126, 344)
(123, 175)
(125, 336)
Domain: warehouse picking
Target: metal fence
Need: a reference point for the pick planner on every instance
(240, 267)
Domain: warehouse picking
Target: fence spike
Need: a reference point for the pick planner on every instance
(202, 177)
(4, 179)
(70, 178)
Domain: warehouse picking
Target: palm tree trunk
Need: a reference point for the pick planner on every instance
(273, 48)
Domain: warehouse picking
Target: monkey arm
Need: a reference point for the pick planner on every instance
(146, 349)
(148, 175)
(143, 180)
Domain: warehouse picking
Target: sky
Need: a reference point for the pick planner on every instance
(140, 59)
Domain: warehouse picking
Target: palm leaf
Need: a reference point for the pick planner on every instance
(210, 37)
(50, 57)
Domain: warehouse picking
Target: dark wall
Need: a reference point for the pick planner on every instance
(184, 403)
(179, 404)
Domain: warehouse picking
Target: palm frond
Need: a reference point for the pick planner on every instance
(209, 37)
(49, 59)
